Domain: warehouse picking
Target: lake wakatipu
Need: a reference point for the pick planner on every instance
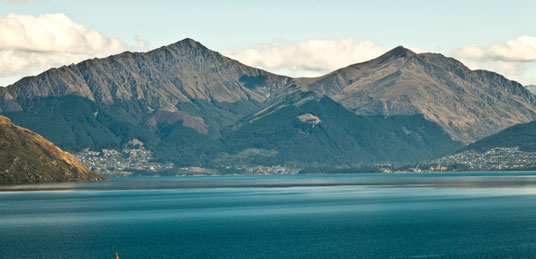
(433, 215)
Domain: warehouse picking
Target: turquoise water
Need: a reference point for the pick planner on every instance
(462, 215)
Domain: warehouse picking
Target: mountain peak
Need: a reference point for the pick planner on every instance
(187, 43)
(398, 52)
(402, 82)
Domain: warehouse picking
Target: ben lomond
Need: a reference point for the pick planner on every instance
(194, 107)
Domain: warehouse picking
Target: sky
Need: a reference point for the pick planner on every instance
(295, 38)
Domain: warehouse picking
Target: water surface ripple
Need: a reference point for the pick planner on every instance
(460, 215)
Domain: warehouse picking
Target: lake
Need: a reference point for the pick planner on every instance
(462, 215)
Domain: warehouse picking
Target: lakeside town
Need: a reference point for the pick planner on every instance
(135, 159)
(122, 163)
(496, 159)
(499, 158)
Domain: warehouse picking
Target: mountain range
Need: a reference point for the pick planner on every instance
(194, 106)
(468, 104)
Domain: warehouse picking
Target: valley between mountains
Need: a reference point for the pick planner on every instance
(186, 107)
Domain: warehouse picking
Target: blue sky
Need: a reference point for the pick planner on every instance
(275, 27)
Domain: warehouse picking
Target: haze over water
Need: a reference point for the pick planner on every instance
(464, 215)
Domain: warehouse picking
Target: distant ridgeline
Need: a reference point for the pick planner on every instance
(194, 107)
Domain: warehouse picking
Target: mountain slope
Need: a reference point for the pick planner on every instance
(162, 78)
(522, 136)
(468, 104)
(185, 78)
(321, 131)
(104, 103)
(26, 157)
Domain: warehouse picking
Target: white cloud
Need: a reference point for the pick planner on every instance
(310, 58)
(515, 59)
(521, 49)
(142, 44)
(30, 44)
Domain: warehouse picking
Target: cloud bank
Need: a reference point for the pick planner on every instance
(30, 44)
(521, 49)
(310, 58)
(515, 59)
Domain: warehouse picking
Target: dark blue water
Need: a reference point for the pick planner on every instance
(462, 215)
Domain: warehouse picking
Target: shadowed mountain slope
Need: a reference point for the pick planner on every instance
(521, 135)
(321, 131)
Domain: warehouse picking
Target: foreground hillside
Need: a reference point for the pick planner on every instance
(26, 157)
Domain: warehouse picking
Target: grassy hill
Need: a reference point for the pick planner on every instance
(26, 157)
